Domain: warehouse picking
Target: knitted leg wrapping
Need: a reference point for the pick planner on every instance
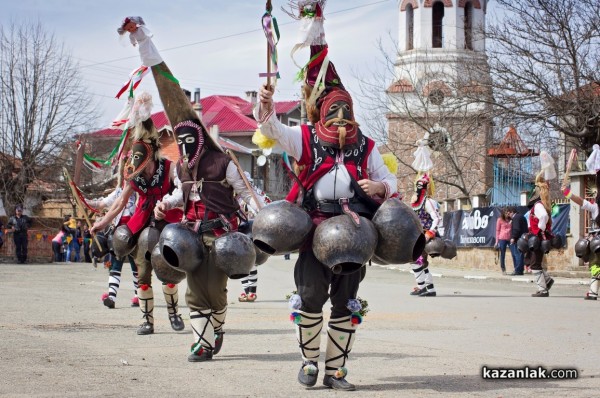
(340, 339)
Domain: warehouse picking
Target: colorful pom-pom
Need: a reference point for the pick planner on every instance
(356, 319)
(262, 141)
(390, 161)
(310, 369)
(144, 287)
(171, 285)
(341, 373)
(295, 317)
(197, 348)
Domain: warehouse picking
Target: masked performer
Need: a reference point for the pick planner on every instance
(338, 162)
(540, 226)
(151, 177)
(207, 181)
(582, 247)
(116, 264)
(426, 210)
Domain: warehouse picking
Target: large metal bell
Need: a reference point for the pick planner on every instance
(400, 234)
(546, 246)
(181, 247)
(164, 272)
(281, 227)
(595, 244)
(246, 229)
(449, 251)
(148, 239)
(582, 248)
(557, 241)
(99, 252)
(434, 247)
(534, 243)
(343, 246)
(234, 254)
(123, 241)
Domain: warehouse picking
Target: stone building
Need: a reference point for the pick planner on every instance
(441, 79)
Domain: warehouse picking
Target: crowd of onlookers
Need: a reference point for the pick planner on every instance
(72, 243)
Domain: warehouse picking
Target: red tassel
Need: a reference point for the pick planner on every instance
(144, 287)
(171, 285)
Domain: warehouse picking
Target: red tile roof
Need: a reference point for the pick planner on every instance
(232, 114)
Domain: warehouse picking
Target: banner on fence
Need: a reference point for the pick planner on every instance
(477, 227)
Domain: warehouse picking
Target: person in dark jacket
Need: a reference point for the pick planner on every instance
(518, 228)
(19, 224)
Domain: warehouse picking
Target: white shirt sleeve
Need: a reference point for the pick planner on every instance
(289, 138)
(540, 212)
(239, 186)
(378, 171)
(174, 199)
(431, 209)
(591, 207)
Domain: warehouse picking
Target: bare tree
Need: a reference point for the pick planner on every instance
(43, 104)
(447, 105)
(544, 60)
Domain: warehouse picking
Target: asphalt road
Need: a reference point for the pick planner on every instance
(57, 339)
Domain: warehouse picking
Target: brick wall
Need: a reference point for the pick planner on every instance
(39, 248)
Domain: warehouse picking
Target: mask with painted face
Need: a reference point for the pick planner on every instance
(142, 153)
(190, 140)
(337, 127)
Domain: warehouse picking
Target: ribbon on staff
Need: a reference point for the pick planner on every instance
(271, 29)
(77, 191)
(95, 164)
(135, 78)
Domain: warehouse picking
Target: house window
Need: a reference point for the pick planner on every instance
(437, 25)
(293, 122)
(469, 26)
(410, 27)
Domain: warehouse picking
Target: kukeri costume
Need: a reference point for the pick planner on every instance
(588, 248)
(205, 243)
(333, 155)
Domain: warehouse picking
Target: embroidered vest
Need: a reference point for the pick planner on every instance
(210, 182)
(149, 192)
(318, 160)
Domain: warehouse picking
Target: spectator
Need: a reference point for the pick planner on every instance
(57, 243)
(503, 229)
(70, 223)
(518, 228)
(87, 241)
(19, 224)
(77, 242)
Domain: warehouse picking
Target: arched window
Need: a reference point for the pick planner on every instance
(468, 25)
(410, 27)
(438, 25)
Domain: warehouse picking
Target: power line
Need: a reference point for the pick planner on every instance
(229, 36)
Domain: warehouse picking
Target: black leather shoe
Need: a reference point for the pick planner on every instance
(549, 283)
(338, 384)
(146, 328)
(205, 355)
(540, 294)
(417, 292)
(108, 302)
(427, 293)
(218, 342)
(515, 274)
(308, 377)
(176, 322)
(589, 296)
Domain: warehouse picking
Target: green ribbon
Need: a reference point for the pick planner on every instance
(108, 161)
(168, 76)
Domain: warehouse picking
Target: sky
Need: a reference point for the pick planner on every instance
(217, 46)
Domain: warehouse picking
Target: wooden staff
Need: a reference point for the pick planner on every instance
(241, 171)
(269, 8)
(80, 206)
(572, 157)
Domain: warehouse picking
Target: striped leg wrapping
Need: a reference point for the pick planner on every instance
(204, 332)
(308, 333)
(340, 339)
(114, 281)
(594, 285)
(171, 293)
(540, 280)
(146, 296)
(135, 282)
(423, 276)
(249, 282)
(218, 319)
